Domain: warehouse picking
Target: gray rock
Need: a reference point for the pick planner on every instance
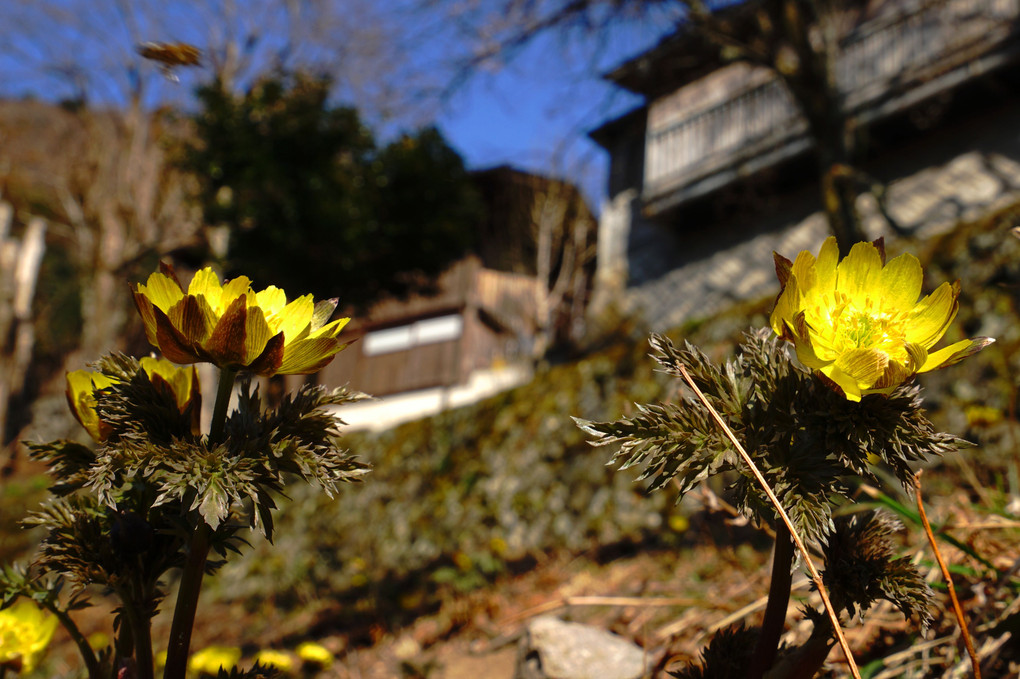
(554, 649)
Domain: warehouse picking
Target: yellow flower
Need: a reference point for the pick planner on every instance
(182, 382)
(278, 659)
(98, 640)
(82, 386)
(25, 631)
(209, 660)
(315, 654)
(235, 327)
(859, 323)
(982, 416)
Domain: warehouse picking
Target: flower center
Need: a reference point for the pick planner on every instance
(868, 327)
(859, 329)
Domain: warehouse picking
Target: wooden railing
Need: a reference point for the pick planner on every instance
(880, 60)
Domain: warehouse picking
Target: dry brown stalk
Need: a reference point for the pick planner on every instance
(567, 601)
(815, 576)
(754, 606)
(957, 609)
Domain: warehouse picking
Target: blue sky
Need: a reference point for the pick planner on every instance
(534, 122)
(535, 111)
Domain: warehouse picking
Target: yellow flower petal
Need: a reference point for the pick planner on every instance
(847, 384)
(272, 299)
(330, 329)
(931, 316)
(865, 366)
(232, 289)
(828, 258)
(311, 652)
(786, 308)
(206, 283)
(162, 291)
(309, 356)
(182, 382)
(294, 320)
(901, 282)
(804, 270)
(257, 334)
(954, 353)
(859, 273)
(82, 386)
(213, 658)
(278, 659)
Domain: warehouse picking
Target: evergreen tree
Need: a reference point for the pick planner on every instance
(312, 203)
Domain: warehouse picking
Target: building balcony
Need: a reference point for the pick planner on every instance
(740, 119)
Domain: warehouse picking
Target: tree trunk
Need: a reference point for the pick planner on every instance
(19, 269)
(810, 76)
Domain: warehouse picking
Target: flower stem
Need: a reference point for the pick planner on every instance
(197, 552)
(811, 656)
(87, 654)
(187, 603)
(219, 417)
(141, 633)
(775, 610)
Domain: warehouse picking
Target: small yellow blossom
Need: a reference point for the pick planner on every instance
(278, 659)
(982, 416)
(210, 659)
(315, 654)
(858, 322)
(82, 386)
(232, 326)
(182, 383)
(679, 523)
(25, 631)
(98, 640)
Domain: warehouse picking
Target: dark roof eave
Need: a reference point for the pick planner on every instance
(609, 129)
(680, 57)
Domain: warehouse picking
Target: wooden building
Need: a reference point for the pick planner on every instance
(478, 318)
(523, 289)
(717, 155)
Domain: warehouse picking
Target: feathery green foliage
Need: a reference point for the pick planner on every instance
(861, 568)
(806, 439)
(156, 495)
(809, 442)
(726, 656)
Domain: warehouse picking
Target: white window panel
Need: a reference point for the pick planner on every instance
(385, 341)
(442, 329)
(428, 331)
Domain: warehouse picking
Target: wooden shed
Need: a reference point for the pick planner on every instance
(478, 318)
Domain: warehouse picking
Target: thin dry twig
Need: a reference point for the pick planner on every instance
(975, 663)
(567, 601)
(815, 576)
(674, 628)
(898, 663)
